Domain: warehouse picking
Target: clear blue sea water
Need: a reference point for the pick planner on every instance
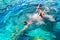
(13, 14)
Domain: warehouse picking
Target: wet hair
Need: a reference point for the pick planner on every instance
(25, 23)
(41, 5)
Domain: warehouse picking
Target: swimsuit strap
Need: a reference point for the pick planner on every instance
(41, 15)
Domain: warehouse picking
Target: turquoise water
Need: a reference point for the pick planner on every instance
(13, 14)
